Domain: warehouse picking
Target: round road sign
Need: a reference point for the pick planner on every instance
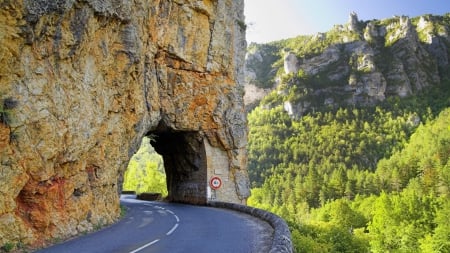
(215, 183)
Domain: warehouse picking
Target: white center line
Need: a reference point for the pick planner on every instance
(145, 246)
(168, 233)
(173, 229)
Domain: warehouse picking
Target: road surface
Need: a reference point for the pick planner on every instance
(157, 227)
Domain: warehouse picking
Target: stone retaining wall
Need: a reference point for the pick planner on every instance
(282, 236)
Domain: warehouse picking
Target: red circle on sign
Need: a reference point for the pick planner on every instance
(215, 183)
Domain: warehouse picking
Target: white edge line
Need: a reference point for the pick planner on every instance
(171, 231)
(176, 217)
(145, 246)
(170, 211)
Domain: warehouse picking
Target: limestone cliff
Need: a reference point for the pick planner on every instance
(83, 81)
(361, 62)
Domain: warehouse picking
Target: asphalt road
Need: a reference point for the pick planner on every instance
(157, 227)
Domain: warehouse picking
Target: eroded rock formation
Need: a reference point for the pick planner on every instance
(81, 83)
(359, 63)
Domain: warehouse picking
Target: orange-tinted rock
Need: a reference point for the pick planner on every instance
(88, 79)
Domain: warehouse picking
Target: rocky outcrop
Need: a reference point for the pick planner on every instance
(82, 82)
(290, 63)
(362, 62)
(353, 22)
(314, 65)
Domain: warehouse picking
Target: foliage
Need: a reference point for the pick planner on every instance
(145, 172)
(328, 79)
(326, 238)
(357, 179)
(262, 64)
(123, 211)
(7, 247)
(365, 177)
(439, 239)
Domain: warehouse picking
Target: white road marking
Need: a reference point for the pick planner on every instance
(144, 246)
(145, 222)
(173, 229)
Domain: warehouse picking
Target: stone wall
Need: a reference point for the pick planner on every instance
(81, 83)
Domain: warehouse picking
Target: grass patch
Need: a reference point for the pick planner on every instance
(123, 211)
(7, 247)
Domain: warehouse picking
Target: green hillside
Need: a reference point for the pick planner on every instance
(360, 63)
(352, 146)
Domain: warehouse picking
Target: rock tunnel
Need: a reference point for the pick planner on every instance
(185, 165)
(89, 79)
(191, 162)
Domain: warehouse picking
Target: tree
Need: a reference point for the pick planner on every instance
(145, 171)
(439, 241)
(383, 228)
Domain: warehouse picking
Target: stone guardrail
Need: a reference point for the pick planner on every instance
(282, 236)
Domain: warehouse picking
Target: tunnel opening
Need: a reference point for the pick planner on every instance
(185, 165)
(169, 166)
(145, 173)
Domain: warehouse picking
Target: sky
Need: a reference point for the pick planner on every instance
(270, 20)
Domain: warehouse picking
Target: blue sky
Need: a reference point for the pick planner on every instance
(270, 20)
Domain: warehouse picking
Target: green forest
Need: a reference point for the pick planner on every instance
(353, 177)
(367, 179)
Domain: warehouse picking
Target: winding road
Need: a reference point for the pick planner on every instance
(157, 227)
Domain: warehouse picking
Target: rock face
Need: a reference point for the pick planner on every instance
(82, 82)
(290, 63)
(362, 62)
